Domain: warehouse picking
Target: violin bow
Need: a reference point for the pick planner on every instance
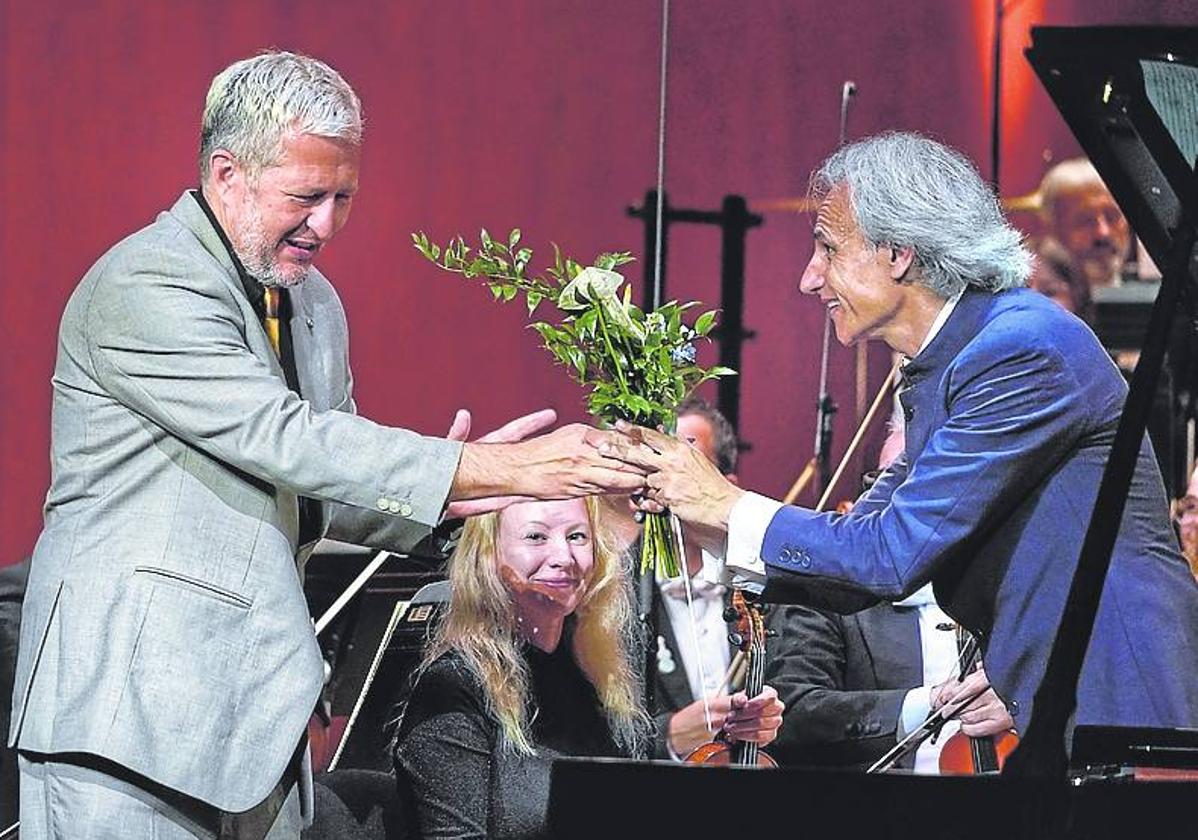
(858, 436)
(931, 725)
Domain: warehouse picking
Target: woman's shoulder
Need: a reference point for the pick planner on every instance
(448, 682)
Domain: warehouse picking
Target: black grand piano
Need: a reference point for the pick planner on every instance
(1131, 97)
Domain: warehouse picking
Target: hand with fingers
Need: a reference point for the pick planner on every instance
(980, 710)
(738, 717)
(679, 477)
(755, 719)
(508, 465)
(510, 432)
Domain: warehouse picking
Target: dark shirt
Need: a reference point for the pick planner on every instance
(455, 777)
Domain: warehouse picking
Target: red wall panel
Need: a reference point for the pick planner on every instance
(538, 114)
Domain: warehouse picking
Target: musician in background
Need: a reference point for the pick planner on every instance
(1088, 238)
(534, 659)
(684, 720)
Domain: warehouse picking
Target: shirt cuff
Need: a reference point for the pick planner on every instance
(917, 705)
(748, 521)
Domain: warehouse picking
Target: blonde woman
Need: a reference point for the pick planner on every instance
(532, 661)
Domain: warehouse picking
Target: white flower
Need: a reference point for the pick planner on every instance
(597, 287)
(592, 285)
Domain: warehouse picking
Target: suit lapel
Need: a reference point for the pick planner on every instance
(891, 638)
(305, 344)
(188, 212)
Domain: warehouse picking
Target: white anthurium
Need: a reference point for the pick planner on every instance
(599, 285)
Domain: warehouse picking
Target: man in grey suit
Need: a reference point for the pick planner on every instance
(167, 663)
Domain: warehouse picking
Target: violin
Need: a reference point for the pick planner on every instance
(965, 755)
(749, 638)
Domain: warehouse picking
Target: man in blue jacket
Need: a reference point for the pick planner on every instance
(1011, 406)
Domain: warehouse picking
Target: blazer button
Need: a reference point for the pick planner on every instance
(1013, 708)
(383, 503)
(784, 554)
(908, 414)
(393, 506)
(405, 509)
(805, 560)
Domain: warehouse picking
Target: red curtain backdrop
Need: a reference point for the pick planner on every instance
(498, 114)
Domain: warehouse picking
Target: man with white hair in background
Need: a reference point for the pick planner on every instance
(204, 437)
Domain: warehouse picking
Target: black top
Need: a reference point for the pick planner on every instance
(456, 779)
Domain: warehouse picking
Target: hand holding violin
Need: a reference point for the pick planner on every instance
(985, 715)
(740, 718)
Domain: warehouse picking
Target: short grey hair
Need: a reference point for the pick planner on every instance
(255, 103)
(908, 190)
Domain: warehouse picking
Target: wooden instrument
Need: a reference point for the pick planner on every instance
(749, 637)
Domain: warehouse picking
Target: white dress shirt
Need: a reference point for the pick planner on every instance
(708, 627)
(938, 647)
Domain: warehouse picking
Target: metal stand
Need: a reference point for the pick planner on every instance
(734, 220)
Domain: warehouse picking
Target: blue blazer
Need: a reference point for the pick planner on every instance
(1011, 411)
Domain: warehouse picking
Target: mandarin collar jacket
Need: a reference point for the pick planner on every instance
(1011, 411)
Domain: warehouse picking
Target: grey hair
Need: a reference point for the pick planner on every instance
(255, 103)
(908, 190)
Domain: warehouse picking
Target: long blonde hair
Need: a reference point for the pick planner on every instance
(480, 626)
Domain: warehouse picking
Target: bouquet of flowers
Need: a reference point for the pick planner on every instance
(638, 366)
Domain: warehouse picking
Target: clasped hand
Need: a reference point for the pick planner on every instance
(679, 476)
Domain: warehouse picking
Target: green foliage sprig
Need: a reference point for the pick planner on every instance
(638, 365)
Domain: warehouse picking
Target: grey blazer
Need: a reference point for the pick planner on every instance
(165, 627)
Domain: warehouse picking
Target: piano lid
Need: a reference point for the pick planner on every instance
(1130, 95)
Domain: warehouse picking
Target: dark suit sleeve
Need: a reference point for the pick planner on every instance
(829, 720)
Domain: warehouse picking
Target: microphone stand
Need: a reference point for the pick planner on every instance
(825, 407)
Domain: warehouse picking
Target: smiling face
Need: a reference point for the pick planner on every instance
(862, 287)
(546, 554)
(1094, 231)
(279, 220)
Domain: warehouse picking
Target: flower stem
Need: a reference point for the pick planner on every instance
(658, 550)
(611, 351)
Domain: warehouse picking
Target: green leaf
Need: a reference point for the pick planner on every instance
(705, 322)
(513, 238)
(533, 299)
